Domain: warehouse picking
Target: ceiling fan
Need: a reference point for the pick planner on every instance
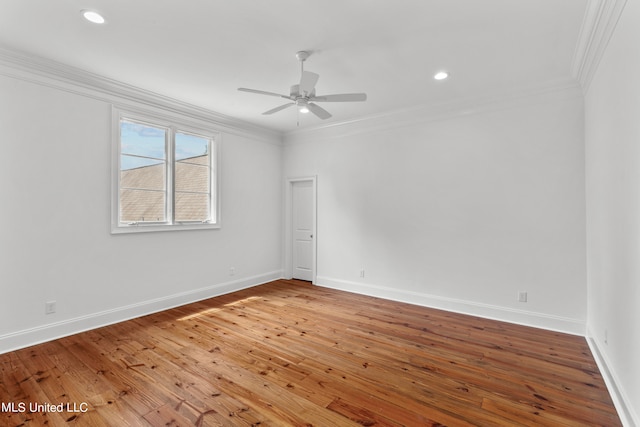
(303, 95)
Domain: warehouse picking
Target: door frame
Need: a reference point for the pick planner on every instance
(288, 228)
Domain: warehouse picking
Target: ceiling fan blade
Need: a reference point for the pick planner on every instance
(343, 97)
(262, 92)
(282, 107)
(318, 111)
(308, 81)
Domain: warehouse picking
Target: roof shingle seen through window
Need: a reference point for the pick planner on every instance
(141, 200)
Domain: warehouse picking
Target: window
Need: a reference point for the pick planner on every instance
(164, 176)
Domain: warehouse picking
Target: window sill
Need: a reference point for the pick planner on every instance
(141, 228)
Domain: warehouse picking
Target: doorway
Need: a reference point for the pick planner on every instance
(300, 247)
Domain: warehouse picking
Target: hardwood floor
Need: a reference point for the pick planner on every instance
(291, 354)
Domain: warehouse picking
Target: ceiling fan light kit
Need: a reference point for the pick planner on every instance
(441, 75)
(303, 95)
(92, 16)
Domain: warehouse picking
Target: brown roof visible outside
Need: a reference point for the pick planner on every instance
(142, 195)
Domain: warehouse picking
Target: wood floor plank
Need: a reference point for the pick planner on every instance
(291, 354)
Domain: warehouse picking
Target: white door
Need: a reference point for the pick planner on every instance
(303, 228)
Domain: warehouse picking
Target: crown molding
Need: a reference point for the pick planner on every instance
(509, 98)
(600, 20)
(60, 76)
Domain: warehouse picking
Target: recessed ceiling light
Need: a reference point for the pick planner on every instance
(93, 16)
(441, 75)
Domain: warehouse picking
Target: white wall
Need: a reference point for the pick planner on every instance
(612, 109)
(55, 241)
(460, 211)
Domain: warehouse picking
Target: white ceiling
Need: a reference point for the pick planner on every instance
(201, 51)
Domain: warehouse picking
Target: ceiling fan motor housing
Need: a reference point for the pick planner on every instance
(294, 92)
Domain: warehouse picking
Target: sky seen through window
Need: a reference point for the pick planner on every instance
(144, 145)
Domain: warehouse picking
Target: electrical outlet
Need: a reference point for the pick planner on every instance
(49, 307)
(522, 296)
(362, 272)
(232, 271)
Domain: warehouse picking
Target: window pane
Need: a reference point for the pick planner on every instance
(192, 207)
(142, 140)
(142, 205)
(143, 180)
(192, 178)
(190, 146)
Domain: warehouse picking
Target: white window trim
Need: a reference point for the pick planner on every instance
(176, 124)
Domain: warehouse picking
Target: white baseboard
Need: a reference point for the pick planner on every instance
(51, 331)
(627, 415)
(521, 317)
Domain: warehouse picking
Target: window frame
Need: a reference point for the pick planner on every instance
(172, 125)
